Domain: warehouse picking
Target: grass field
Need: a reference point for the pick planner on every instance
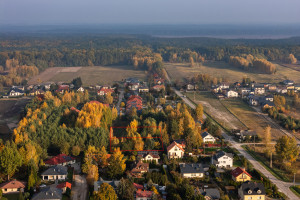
(250, 117)
(180, 71)
(89, 75)
(215, 108)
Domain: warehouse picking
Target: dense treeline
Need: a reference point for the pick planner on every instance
(140, 51)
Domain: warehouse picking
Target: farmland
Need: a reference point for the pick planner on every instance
(89, 75)
(220, 69)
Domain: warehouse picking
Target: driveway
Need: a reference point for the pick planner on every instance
(80, 188)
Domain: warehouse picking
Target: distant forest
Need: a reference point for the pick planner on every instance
(141, 51)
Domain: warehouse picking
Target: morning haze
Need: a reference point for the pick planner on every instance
(41, 12)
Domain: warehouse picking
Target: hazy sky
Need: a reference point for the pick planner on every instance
(149, 11)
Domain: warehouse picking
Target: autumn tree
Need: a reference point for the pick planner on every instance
(106, 192)
(125, 189)
(75, 150)
(267, 140)
(199, 112)
(108, 98)
(287, 150)
(291, 59)
(116, 165)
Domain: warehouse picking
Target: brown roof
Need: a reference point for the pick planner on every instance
(174, 144)
(140, 166)
(12, 184)
(238, 171)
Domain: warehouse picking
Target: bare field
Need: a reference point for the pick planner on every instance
(251, 118)
(89, 75)
(214, 107)
(220, 69)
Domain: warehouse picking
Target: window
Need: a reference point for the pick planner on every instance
(249, 198)
(259, 197)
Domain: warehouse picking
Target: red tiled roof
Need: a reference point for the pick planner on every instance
(59, 159)
(74, 109)
(138, 187)
(106, 91)
(174, 144)
(12, 184)
(63, 87)
(65, 184)
(238, 171)
(140, 166)
(147, 194)
(158, 86)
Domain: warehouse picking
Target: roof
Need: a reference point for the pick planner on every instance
(211, 192)
(173, 145)
(137, 186)
(204, 134)
(238, 171)
(113, 183)
(147, 194)
(63, 185)
(140, 167)
(61, 158)
(106, 91)
(12, 184)
(220, 154)
(56, 170)
(253, 188)
(191, 168)
(48, 193)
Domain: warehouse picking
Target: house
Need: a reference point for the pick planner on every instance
(53, 173)
(81, 89)
(134, 101)
(281, 90)
(207, 138)
(48, 193)
(139, 169)
(222, 159)
(113, 183)
(104, 91)
(63, 186)
(240, 175)
(269, 97)
(210, 193)
(259, 89)
(143, 195)
(61, 159)
(224, 85)
(191, 170)
(62, 89)
(151, 157)
(12, 186)
(297, 87)
(16, 91)
(158, 88)
(252, 190)
(138, 186)
(231, 93)
(175, 150)
(253, 100)
(267, 104)
(133, 86)
(288, 82)
(243, 134)
(35, 92)
(272, 88)
(191, 86)
(143, 89)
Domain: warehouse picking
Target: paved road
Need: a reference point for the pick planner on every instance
(80, 188)
(121, 95)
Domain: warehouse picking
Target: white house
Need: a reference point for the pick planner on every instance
(151, 157)
(81, 89)
(207, 138)
(175, 150)
(232, 93)
(191, 170)
(58, 172)
(222, 159)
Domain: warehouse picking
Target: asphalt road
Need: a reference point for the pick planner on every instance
(79, 191)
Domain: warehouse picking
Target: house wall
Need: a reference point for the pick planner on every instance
(192, 175)
(242, 178)
(208, 139)
(175, 152)
(10, 190)
(225, 161)
(55, 177)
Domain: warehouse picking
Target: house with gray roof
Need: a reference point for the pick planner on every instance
(252, 190)
(57, 172)
(113, 183)
(210, 193)
(191, 170)
(48, 194)
(207, 137)
(222, 159)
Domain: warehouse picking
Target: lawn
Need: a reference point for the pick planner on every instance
(216, 109)
(90, 75)
(220, 69)
(13, 196)
(250, 117)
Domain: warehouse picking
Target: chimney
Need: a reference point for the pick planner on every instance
(52, 194)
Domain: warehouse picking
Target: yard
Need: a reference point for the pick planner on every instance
(89, 75)
(220, 69)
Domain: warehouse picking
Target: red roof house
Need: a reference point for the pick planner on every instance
(138, 186)
(64, 186)
(104, 91)
(240, 174)
(62, 88)
(12, 186)
(61, 159)
(134, 101)
(141, 195)
(175, 150)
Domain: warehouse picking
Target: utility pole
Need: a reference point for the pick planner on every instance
(294, 178)
(271, 164)
(254, 143)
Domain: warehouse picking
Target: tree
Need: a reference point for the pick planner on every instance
(108, 98)
(199, 112)
(10, 159)
(77, 82)
(125, 190)
(117, 164)
(75, 150)
(93, 174)
(287, 150)
(291, 59)
(106, 192)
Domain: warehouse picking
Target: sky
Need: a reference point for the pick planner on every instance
(60, 12)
